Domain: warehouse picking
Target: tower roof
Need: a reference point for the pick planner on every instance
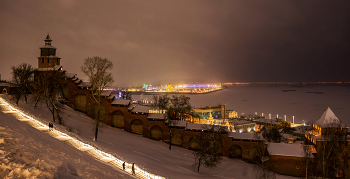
(328, 119)
(48, 38)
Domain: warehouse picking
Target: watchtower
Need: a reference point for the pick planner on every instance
(48, 58)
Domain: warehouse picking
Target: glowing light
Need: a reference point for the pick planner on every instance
(102, 156)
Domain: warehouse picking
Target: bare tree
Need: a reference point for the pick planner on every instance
(178, 108)
(160, 102)
(307, 156)
(22, 76)
(127, 95)
(48, 87)
(207, 152)
(260, 169)
(332, 153)
(271, 134)
(96, 68)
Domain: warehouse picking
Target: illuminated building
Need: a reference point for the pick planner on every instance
(201, 85)
(217, 112)
(169, 88)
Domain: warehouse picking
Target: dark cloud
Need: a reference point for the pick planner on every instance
(175, 41)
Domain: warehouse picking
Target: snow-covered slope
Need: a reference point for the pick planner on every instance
(153, 156)
(27, 152)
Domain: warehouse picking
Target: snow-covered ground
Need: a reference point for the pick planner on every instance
(26, 152)
(153, 156)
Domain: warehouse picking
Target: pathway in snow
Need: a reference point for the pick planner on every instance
(98, 154)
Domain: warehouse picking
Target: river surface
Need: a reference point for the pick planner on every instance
(305, 103)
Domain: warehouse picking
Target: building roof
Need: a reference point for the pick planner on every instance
(180, 124)
(156, 116)
(48, 46)
(104, 92)
(85, 84)
(289, 136)
(269, 121)
(241, 121)
(4, 84)
(121, 101)
(283, 149)
(142, 109)
(111, 97)
(327, 119)
(48, 38)
(196, 126)
(131, 106)
(71, 75)
(246, 136)
(57, 67)
(49, 57)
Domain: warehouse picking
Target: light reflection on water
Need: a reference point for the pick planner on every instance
(303, 103)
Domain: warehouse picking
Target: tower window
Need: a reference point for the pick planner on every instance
(42, 60)
(48, 60)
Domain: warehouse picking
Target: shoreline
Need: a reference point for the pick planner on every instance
(155, 93)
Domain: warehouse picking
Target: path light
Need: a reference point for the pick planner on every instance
(102, 156)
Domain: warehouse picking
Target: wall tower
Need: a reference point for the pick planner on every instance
(48, 58)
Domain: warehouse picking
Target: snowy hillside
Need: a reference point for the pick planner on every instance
(26, 152)
(48, 156)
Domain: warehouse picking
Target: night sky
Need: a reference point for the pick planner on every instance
(184, 40)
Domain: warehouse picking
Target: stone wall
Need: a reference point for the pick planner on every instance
(138, 123)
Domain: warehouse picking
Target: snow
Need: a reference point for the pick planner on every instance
(241, 122)
(196, 126)
(48, 46)
(327, 118)
(155, 115)
(28, 153)
(289, 136)
(71, 75)
(85, 84)
(247, 136)
(4, 84)
(77, 81)
(141, 109)
(268, 121)
(121, 101)
(111, 97)
(180, 123)
(282, 149)
(153, 156)
(131, 106)
(57, 67)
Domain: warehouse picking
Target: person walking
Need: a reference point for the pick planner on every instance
(124, 166)
(49, 126)
(133, 168)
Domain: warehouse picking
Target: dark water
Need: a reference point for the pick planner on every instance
(305, 103)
